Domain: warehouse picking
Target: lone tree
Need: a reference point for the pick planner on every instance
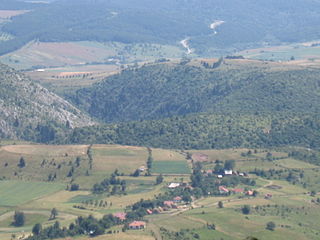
(36, 230)
(220, 204)
(18, 219)
(271, 226)
(74, 187)
(54, 213)
(246, 209)
(159, 179)
(22, 163)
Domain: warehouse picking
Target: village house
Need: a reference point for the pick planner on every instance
(238, 190)
(121, 216)
(137, 225)
(228, 172)
(149, 211)
(142, 168)
(169, 204)
(223, 190)
(219, 176)
(173, 185)
(249, 193)
(268, 196)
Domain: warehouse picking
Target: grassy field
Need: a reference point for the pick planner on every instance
(302, 51)
(107, 158)
(57, 54)
(172, 167)
(30, 220)
(14, 193)
(41, 161)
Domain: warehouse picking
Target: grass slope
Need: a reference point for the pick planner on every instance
(14, 193)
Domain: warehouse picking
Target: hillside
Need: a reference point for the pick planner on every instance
(236, 86)
(242, 24)
(207, 131)
(27, 109)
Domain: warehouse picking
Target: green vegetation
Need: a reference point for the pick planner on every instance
(208, 131)
(14, 193)
(171, 167)
(165, 90)
(249, 24)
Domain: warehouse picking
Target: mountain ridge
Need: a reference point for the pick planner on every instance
(25, 104)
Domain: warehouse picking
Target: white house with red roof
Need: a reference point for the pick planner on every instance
(137, 225)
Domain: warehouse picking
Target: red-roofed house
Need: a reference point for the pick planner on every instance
(268, 196)
(137, 225)
(238, 190)
(168, 203)
(249, 193)
(149, 211)
(121, 216)
(222, 189)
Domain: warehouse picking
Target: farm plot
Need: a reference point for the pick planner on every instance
(171, 167)
(293, 163)
(169, 162)
(126, 159)
(14, 193)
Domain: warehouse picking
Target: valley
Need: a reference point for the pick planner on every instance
(36, 195)
(159, 120)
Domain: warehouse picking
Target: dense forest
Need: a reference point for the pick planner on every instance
(246, 23)
(196, 131)
(165, 90)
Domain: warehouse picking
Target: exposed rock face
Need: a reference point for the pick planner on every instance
(25, 103)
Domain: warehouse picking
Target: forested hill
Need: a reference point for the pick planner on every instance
(26, 108)
(236, 86)
(243, 23)
(207, 131)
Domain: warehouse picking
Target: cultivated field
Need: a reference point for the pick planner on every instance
(303, 51)
(58, 54)
(125, 159)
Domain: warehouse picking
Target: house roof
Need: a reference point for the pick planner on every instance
(120, 215)
(137, 224)
(149, 211)
(173, 185)
(238, 190)
(223, 189)
(168, 203)
(228, 172)
(178, 198)
(250, 192)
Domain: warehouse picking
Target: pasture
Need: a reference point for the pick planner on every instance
(126, 159)
(59, 54)
(172, 167)
(41, 161)
(15, 193)
(302, 51)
